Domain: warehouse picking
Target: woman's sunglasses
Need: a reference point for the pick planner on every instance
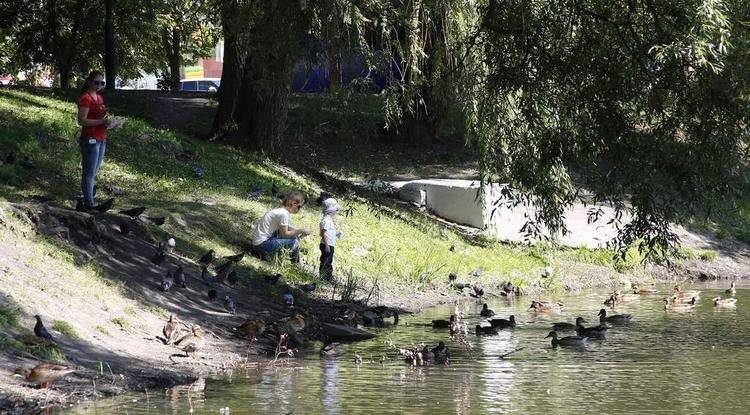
(100, 83)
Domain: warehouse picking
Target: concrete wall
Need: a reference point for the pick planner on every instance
(457, 201)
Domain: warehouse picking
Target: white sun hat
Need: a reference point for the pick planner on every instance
(330, 205)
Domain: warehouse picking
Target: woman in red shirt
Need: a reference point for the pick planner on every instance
(93, 141)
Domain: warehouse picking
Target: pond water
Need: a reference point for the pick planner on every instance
(665, 363)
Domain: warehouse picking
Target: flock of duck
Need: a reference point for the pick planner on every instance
(679, 301)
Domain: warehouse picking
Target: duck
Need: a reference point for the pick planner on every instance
(292, 324)
(330, 349)
(485, 330)
(611, 301)
(486, 312)
(598, 332)
(731, 290)
(565, 326)
(501, 323)
(644, 291)
(724, 302)
(44, 374)
(616, 319)
(171, 329)
(192, 342)
(622, 297)
(441, 353)
(443, 324)
(251, 328)
(673, 306)
(569, 341)
(508, 289)
(542, 306)
(679, 293)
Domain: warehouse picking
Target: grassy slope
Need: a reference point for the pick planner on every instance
(409, 251)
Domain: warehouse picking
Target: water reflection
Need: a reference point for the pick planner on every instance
(662, 363)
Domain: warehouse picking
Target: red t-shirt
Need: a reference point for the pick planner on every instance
(97, 111)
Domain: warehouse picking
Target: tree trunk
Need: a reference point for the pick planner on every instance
(110, 61)
(335, 74)
(232, 73)
(171, 39)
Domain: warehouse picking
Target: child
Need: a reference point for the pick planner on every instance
(328, 236)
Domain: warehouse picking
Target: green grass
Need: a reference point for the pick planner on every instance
(154, 166)
(65, 328)
(9, 317)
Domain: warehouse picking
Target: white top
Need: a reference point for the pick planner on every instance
(331, 234)
(269, 224)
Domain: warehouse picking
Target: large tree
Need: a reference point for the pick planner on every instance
(644, 103)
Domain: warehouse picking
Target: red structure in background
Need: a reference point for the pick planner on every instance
(211, 67)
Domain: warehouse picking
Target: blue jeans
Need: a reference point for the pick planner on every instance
(272, 246)
(92, 155)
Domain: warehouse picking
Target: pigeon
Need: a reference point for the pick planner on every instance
(167, 245)
(167, 281)
(124, 228)
(452, 248)
(288, 299)
(255, 194)
(232, 278)
(229, 305)
(207, 258)
(134, 212)
(308, 288)
(40, 330)
(179, 275)
(199, 172)
(452, 276)
(235, 258)
(158, 221)
(221, 277)
(212, 294)
(478, 291)
(461, 285)
(159, 257)
(271, 279)
(103, 207)
(206, 276)
(223, 268)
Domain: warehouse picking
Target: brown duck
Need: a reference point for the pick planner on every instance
(171, 329)
(44, 374)
(251, 329)
(192, 342)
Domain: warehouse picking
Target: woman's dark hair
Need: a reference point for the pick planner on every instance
(90, 78)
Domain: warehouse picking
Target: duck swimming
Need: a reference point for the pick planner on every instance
(565, 326)
(485, 330)
(621, 297)
(679, 293)
(443, 324)
(598, 332)
(724, 302)
(542, 306)
(486, 312)
(569, 341)
(440, 353)
(611, 301)
(616, 319)
(501, 323)
(731, 290)
(674, 306)
(644, 291)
